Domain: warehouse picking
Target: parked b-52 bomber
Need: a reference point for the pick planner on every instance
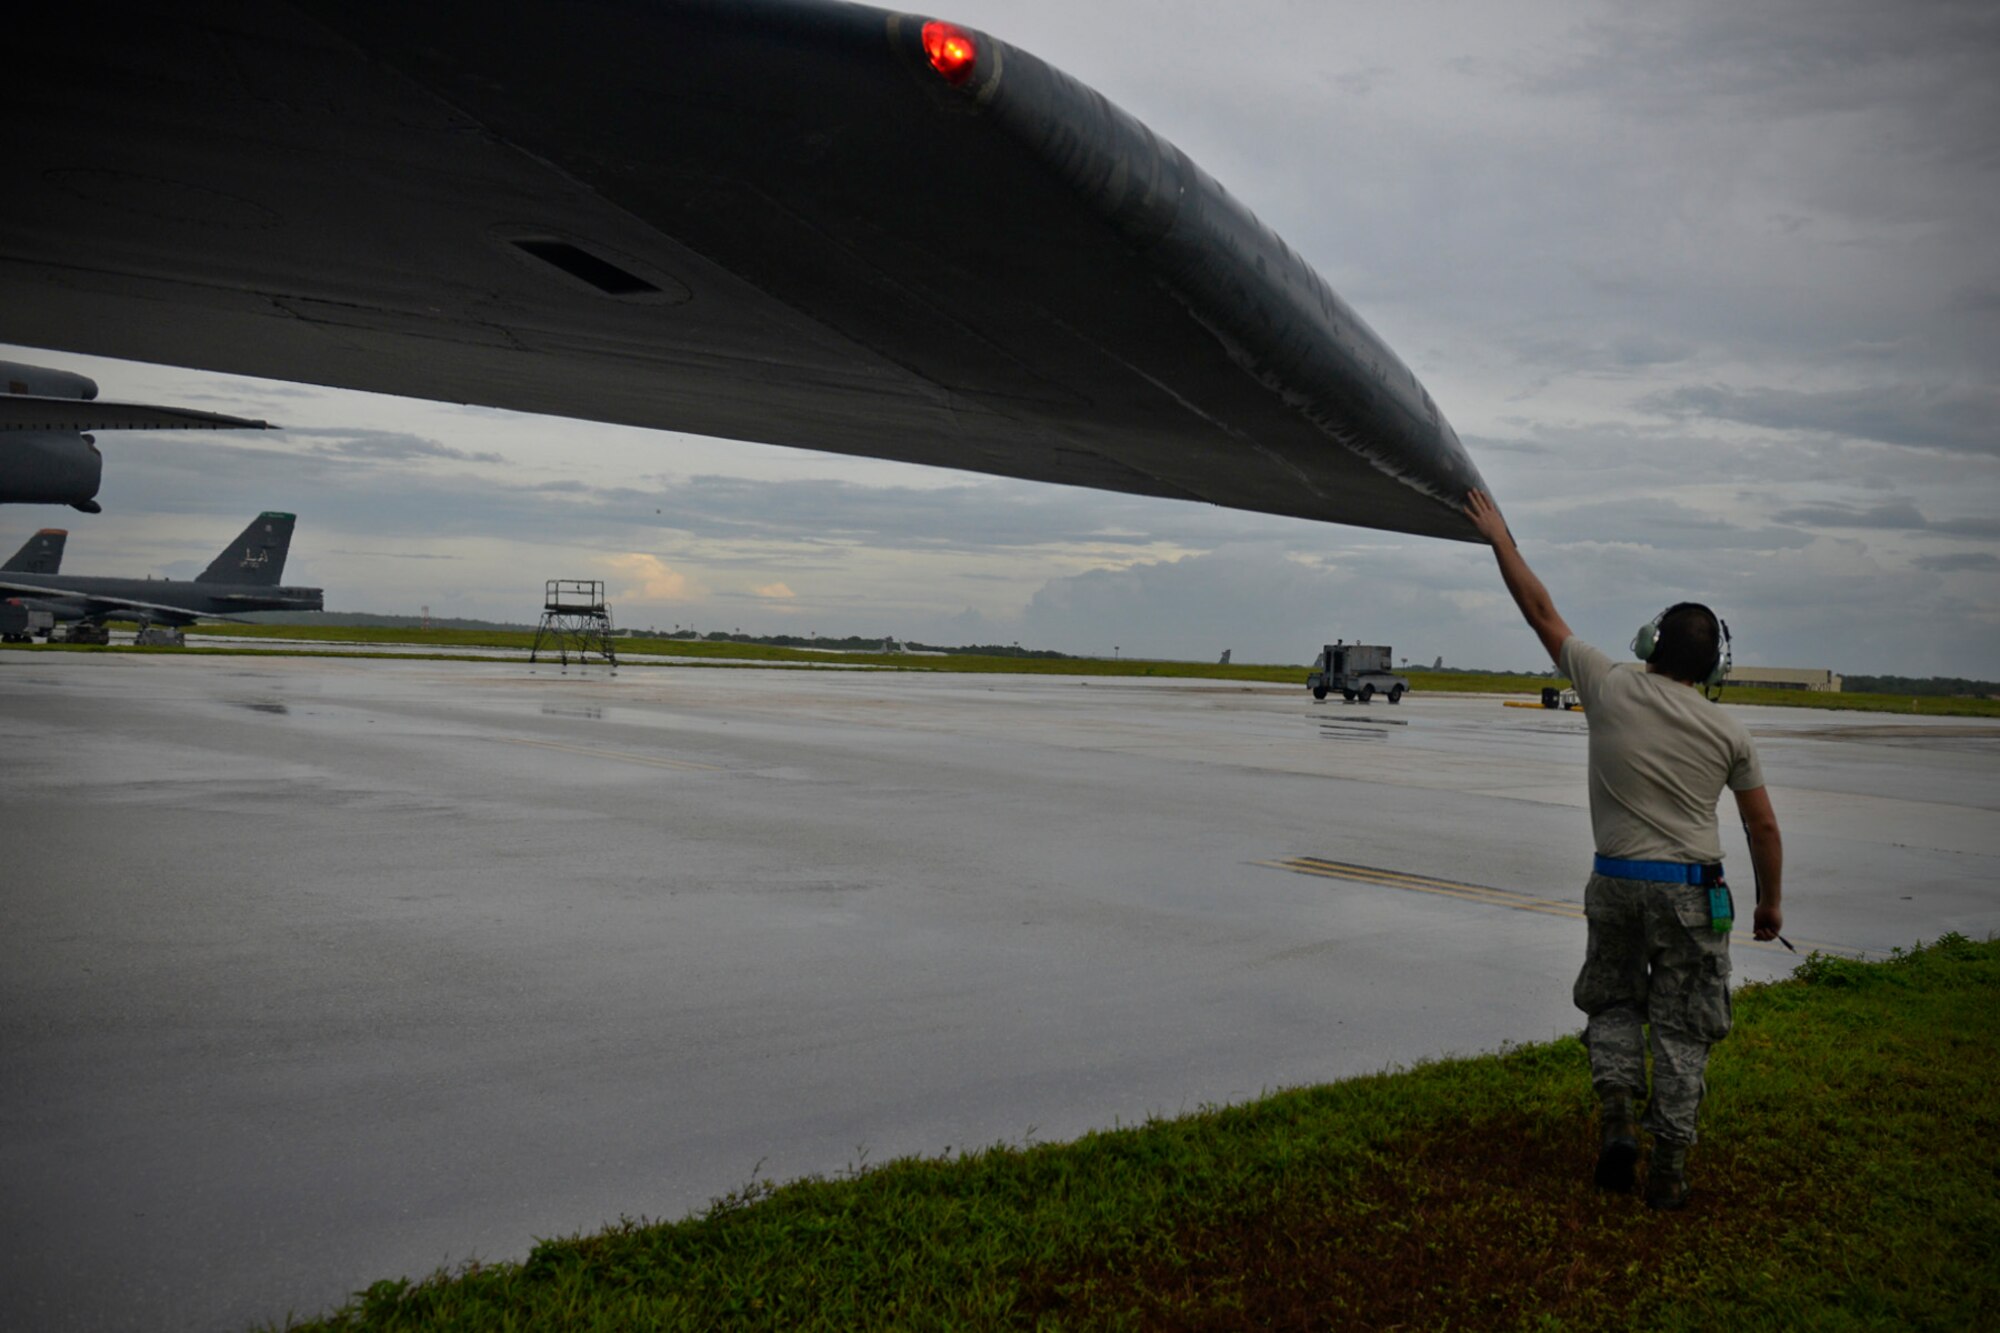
(245, 577)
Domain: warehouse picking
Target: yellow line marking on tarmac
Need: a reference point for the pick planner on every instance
(621, 756)
(1492, 897)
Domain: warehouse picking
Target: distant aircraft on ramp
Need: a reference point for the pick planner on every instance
(40, 554)
(45, 455)
(809, 223)
(245, 577)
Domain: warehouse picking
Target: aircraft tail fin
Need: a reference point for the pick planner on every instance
(256, 558)
(40, 554)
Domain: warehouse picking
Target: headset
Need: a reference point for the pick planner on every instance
(1647, 642)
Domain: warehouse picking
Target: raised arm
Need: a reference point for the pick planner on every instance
(1537, 607)
(1767, 857)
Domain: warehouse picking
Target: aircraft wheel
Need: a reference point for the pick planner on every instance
(1319, 691)
(1395, 694)
(1367, 693)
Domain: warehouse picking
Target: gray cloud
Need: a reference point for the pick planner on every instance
(975, 515)
(384, 445)
(1668, 524)
(1161, 609)
(1958, 563)
(1894, 516)
(1426, 601)
(1611, 351)
(1965, 420)
(1981, 298)
(1929, 58)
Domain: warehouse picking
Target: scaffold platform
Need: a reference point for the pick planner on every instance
(576, 622)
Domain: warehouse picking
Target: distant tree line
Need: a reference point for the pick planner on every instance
(372, 620)
(851, 643)
(996, 650)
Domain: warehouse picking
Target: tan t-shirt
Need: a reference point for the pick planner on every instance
(1660, 755)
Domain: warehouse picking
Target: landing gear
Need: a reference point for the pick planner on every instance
(85, 632)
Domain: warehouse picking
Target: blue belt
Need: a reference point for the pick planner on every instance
(1666, 872)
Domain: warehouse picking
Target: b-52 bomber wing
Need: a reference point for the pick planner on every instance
(98, 606)
(795, 221)
(22, 412)
(45, 457)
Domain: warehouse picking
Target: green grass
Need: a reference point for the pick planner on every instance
(1847, 1180)
(1929, 705)
(697, 651)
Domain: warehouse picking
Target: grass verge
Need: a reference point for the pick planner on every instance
(1847, 1179)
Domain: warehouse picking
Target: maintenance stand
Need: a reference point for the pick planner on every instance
(575, 620)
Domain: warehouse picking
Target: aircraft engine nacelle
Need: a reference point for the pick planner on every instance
(42, 382)
(50, 467)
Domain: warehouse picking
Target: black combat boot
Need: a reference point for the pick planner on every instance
(1619, 1152)
(1666, 1180)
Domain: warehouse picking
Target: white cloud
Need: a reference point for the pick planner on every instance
(651, 579)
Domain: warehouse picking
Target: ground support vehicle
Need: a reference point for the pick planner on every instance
(1359, 671)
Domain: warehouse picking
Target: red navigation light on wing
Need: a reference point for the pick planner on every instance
(951, 50)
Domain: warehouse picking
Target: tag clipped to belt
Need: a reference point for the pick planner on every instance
(1721, 908)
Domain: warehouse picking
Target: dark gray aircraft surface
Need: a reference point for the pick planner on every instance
(40, 554)
(809, 223)
(45, 456)
(245, 577)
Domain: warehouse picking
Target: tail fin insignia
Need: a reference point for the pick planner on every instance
(40, 554)
(257, 557)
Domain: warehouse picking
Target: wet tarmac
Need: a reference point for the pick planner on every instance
(315, 972)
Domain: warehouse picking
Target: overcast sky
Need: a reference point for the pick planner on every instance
(1710, 289)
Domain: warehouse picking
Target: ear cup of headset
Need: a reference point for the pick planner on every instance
(1647, 640)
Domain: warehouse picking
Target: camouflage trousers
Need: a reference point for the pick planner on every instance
(1653, 962)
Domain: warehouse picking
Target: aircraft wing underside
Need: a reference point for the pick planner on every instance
(22, 412)
(80, 606)
(767, 220)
